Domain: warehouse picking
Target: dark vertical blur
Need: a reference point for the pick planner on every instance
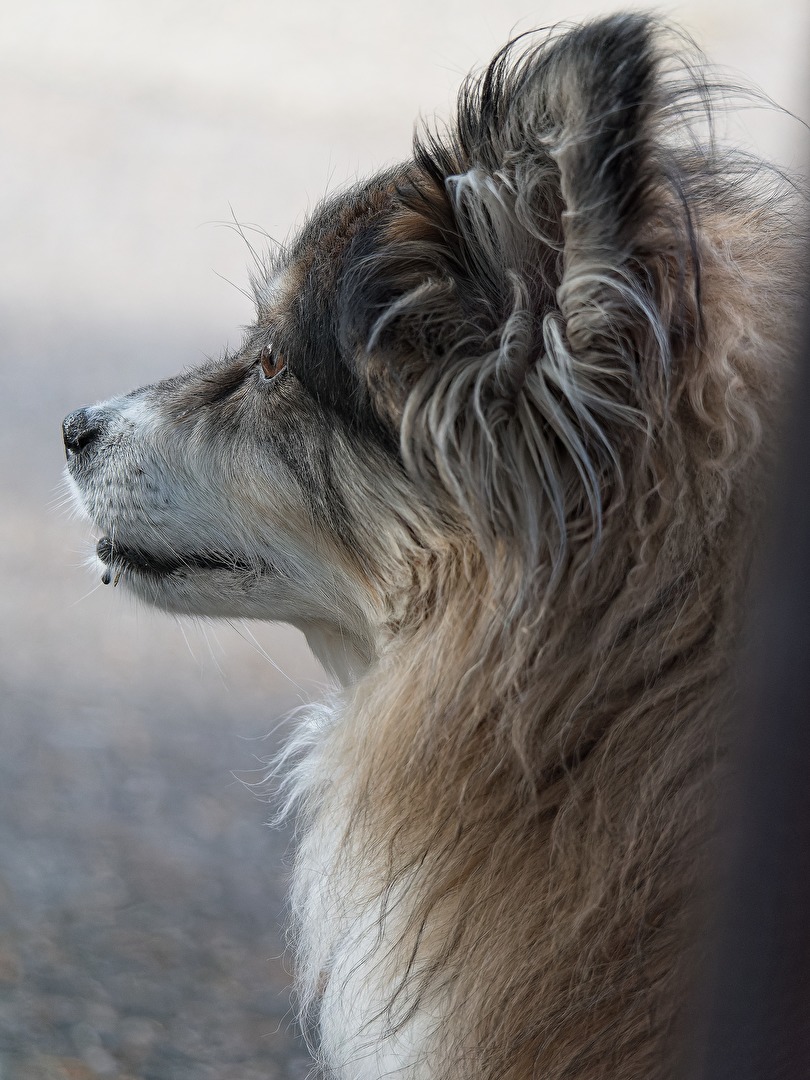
(755, 1005)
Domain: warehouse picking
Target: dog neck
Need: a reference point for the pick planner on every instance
(343, 656)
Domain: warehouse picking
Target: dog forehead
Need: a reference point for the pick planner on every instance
(324, 239)
(304, 280)
(274, 293)
(303, 305)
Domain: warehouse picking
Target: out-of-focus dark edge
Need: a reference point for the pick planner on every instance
(752, 1014)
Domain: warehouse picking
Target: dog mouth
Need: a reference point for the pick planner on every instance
(119, 559)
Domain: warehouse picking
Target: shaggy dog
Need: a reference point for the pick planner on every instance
(495, 443)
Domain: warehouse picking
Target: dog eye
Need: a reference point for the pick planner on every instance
(272, 363)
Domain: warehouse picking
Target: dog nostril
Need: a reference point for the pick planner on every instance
(79, 430)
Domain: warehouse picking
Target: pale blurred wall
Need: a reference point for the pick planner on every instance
(127, 128)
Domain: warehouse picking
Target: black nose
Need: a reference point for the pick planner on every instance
(79, 430)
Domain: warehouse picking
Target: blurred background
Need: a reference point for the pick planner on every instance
(141, 894)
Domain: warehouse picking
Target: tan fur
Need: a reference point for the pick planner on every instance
(545, 783)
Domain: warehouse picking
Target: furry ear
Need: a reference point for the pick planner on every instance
(558, 146)
(532, 297)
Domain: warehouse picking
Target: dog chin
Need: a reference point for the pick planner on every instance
(216, 586)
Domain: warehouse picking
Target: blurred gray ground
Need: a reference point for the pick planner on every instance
(141, 894)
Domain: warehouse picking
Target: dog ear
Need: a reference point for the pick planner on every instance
(532, 294)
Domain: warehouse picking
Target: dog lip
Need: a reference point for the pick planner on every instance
(126, 558)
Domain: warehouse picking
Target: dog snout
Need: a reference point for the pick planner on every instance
(80, 429)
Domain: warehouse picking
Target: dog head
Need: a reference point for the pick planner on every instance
(477, 358)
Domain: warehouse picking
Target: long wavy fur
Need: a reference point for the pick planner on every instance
(576, 315)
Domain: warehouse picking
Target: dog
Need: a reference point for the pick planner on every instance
(496, 442)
